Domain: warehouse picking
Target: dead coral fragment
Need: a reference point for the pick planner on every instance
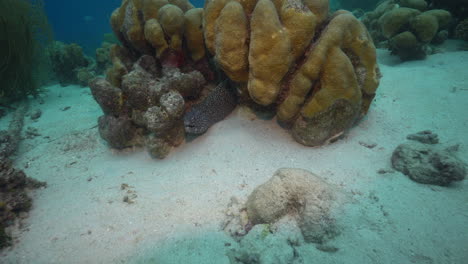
(14, 184)
(297, 191)
(425, 161)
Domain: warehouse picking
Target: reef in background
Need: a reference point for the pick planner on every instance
(69, 64)
(412, 29)
(362, 5)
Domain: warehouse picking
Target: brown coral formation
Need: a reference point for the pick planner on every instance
(293, 56)
(146, 105)
(103, 60)
(15, 186)
(15, 200)
(170, 30)
(69, 63)
(159, 69)
(318, 72)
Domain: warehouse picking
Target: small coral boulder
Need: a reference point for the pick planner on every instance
(429, 163)
(300, 191)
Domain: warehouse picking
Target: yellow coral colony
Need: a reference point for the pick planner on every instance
(292, 54)
(231, 42)
(160, 25)
(269, 55)
(194, 33)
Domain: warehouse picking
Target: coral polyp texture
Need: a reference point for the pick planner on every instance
(318, 71)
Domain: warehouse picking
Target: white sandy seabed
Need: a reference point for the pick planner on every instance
(180, 202)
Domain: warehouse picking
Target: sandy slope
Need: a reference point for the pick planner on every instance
(179, 203)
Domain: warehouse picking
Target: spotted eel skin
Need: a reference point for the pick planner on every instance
(219, 103)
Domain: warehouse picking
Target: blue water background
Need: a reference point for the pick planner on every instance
(84, 21)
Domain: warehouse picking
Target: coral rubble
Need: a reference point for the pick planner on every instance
(263, 246)
(14, 184)
(14, 198)
(425, 161)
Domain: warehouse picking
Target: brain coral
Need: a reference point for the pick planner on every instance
(318, 71)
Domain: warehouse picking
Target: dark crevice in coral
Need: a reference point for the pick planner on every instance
(247, 40)
(359, 69)
(133, 52)
(141, 18)
(316, 86)
(167, 38)
(286, 81)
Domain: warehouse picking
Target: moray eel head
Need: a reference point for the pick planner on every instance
(218, 104)
(194, 123)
